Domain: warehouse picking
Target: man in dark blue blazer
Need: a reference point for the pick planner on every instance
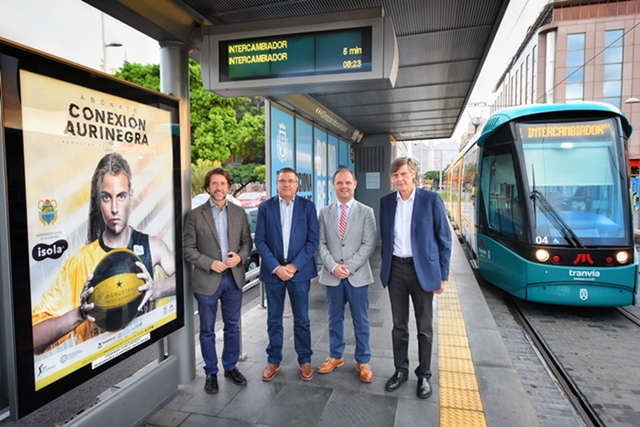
(287, 237)
(416, 250)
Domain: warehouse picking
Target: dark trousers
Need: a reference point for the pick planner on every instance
(230, 297)
(403, 283)
(299, 297)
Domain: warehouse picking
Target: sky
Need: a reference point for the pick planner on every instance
(73, 30)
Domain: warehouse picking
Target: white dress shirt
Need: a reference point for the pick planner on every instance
(402, 226)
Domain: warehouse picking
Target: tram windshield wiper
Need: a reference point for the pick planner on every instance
(552, 214)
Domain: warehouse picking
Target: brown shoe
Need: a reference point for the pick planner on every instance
(269, 372)
(306, 372)
(330, 364)
(366, 375)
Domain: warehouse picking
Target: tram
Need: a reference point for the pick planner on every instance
(541, 198)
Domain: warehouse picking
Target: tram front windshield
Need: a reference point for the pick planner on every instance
(575, 183)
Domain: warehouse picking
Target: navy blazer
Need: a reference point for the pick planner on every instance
(303, 242)
(430, 238)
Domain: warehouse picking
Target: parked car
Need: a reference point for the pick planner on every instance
(253, 260)
(252, 198)
(199, 199)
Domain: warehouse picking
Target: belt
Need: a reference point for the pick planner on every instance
(407, 260)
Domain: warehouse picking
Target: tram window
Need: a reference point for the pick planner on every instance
(500, 196)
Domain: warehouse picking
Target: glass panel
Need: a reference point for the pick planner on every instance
(574, 91)
(575, 58)
(613, 72)
(612, 55)
(575, 74)
(613, 101)
(613, 88)
(575, 41)
(500, 197)
(613, 38)
(575, 168)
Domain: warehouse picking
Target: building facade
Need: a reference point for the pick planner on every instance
(579, 50)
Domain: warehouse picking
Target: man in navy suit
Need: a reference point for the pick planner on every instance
(416, 250)
(287, 237)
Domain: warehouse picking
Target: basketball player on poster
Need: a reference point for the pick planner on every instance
(64, 312)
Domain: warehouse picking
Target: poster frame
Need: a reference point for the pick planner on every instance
(13, 59)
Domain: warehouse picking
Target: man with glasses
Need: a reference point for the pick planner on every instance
(416, 250)
(287, 238)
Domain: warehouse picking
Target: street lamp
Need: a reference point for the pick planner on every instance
(106, 47)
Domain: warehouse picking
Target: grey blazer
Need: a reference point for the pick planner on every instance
(354, 250)
(202, 246)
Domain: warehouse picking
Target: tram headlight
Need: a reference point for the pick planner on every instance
(622, 257)
(542, 255)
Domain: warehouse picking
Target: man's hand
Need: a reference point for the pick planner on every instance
(218, 266)
(233, 259)
(284, 273)
(441, 290)
(341, 271)
(85, 307)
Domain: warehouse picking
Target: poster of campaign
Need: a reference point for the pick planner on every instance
(304, 161)
(100, 214)
(282, 144)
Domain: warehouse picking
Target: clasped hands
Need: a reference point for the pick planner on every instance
(232, 260)
(286, 272)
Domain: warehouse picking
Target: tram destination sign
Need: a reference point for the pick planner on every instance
(324, 52)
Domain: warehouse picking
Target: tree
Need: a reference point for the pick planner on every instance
(243, 176)
(219, 126)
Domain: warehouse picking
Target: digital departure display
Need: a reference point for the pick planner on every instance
(292, 55)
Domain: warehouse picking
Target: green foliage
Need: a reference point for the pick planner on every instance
(199, 170)
(219, 126)
(243, 176)
(143, 75)
(261, 173)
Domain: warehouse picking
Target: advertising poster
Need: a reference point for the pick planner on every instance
(282, 138)
(304, 163)
(320, 169)
(332, 166)
(100, 205)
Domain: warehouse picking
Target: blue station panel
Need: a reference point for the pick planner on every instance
(282, 137)
(320, 169)
(304, 160)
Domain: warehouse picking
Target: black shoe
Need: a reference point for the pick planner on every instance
(424, 388)
(211, 384)
(236, 376)
(395, 381)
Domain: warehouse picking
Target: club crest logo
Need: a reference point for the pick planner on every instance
(48, 211)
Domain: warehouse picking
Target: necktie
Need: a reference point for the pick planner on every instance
(343, 221)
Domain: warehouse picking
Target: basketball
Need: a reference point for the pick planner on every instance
(115, 290)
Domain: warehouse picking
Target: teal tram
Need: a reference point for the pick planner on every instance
(541, 198)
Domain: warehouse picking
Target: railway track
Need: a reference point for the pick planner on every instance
(582, 406)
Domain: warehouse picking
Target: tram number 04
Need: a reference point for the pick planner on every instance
(542, 240)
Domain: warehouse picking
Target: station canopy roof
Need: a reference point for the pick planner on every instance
(442, 47)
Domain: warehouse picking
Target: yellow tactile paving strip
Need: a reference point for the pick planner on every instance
(460, 403)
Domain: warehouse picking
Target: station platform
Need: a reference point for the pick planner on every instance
(474, 379)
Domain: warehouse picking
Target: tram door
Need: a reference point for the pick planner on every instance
(500, 218)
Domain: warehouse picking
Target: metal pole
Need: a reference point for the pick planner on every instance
(441, 167)
(174, 80)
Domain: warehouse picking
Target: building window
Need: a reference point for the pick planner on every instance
(612, 86)
(575, 68)
(527, 82)
(534, 74)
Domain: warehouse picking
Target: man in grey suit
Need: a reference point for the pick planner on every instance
(217, 240)
(347, 241)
